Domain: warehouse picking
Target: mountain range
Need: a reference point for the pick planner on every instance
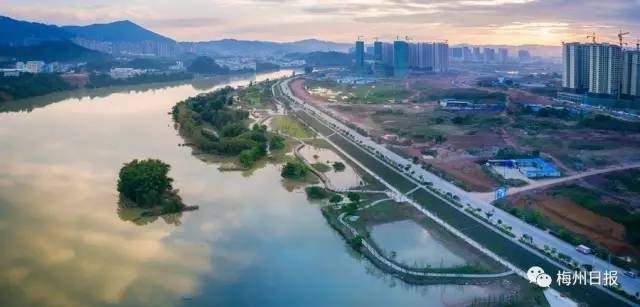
(51, 51)
(228, 47)
(24, 33)
(18, 33)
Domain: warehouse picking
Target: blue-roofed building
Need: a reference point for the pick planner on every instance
(531, 168)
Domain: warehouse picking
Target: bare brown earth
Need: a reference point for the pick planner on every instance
(564, 212)
(557, 140)
(452, 158)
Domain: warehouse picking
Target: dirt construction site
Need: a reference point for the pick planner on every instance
(455, 144)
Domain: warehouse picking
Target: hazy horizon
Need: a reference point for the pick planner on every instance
(482, 22)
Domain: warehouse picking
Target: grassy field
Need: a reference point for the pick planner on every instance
(428, 92)
(256, 94)
(290, 126)
(379, 92)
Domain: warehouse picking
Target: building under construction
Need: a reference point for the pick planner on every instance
(402, 57)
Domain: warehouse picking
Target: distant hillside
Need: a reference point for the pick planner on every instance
(17, 32)
(63, 51)
(535, 50)
(119, 31)
(206, 65)
(227, 47)
(320, 59)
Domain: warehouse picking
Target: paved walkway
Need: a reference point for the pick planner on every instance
(548, 182)
(392, 265)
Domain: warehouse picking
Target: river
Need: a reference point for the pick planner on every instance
(63, 241)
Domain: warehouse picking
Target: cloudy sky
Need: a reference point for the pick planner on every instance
(460, 21)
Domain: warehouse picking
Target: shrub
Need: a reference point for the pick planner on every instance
(316, 192)
(335, 198)
(354, 197)
(338, 166)
(294, 169)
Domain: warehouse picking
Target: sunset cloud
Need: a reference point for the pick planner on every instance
(459, 21)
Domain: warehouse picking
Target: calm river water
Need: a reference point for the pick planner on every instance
(64, 243)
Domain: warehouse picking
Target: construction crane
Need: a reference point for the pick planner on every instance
(360, 37)
(621, 35)
(592, 37)
(407, 38)
(637, 44)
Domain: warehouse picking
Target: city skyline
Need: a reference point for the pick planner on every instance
(514, 22)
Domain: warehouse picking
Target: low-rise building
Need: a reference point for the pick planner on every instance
(123, 72)
(531, 168)
(34, 67)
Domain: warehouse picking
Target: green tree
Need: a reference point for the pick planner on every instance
(276, 142)
(294, 169)
(335, 198)
(316, 192)
(353, 197)
(145, 182)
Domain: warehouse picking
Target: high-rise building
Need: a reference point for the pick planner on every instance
(387, 54)
(400, 58)
(524, 56)
(631, 73)
(359, 53)
(456, 52)
(575, 70)
(503, 55)
(477, 56)
(441, 57)
(377, 51)
(369, 50)
(605, 68)
(421, 56)
(466, 54)
(489, 55)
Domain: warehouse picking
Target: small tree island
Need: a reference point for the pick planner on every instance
(145, 184)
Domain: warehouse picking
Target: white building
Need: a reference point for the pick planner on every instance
(179, 66)
(123, 72)
(441, 57)
(34, 67)
(631, 73)
(605, 68)
(429, 56)
(10, 72)
(575, 66)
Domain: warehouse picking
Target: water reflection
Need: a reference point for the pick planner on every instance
(62, 246)
(63, 241)
(341, 179)
(411, 244)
